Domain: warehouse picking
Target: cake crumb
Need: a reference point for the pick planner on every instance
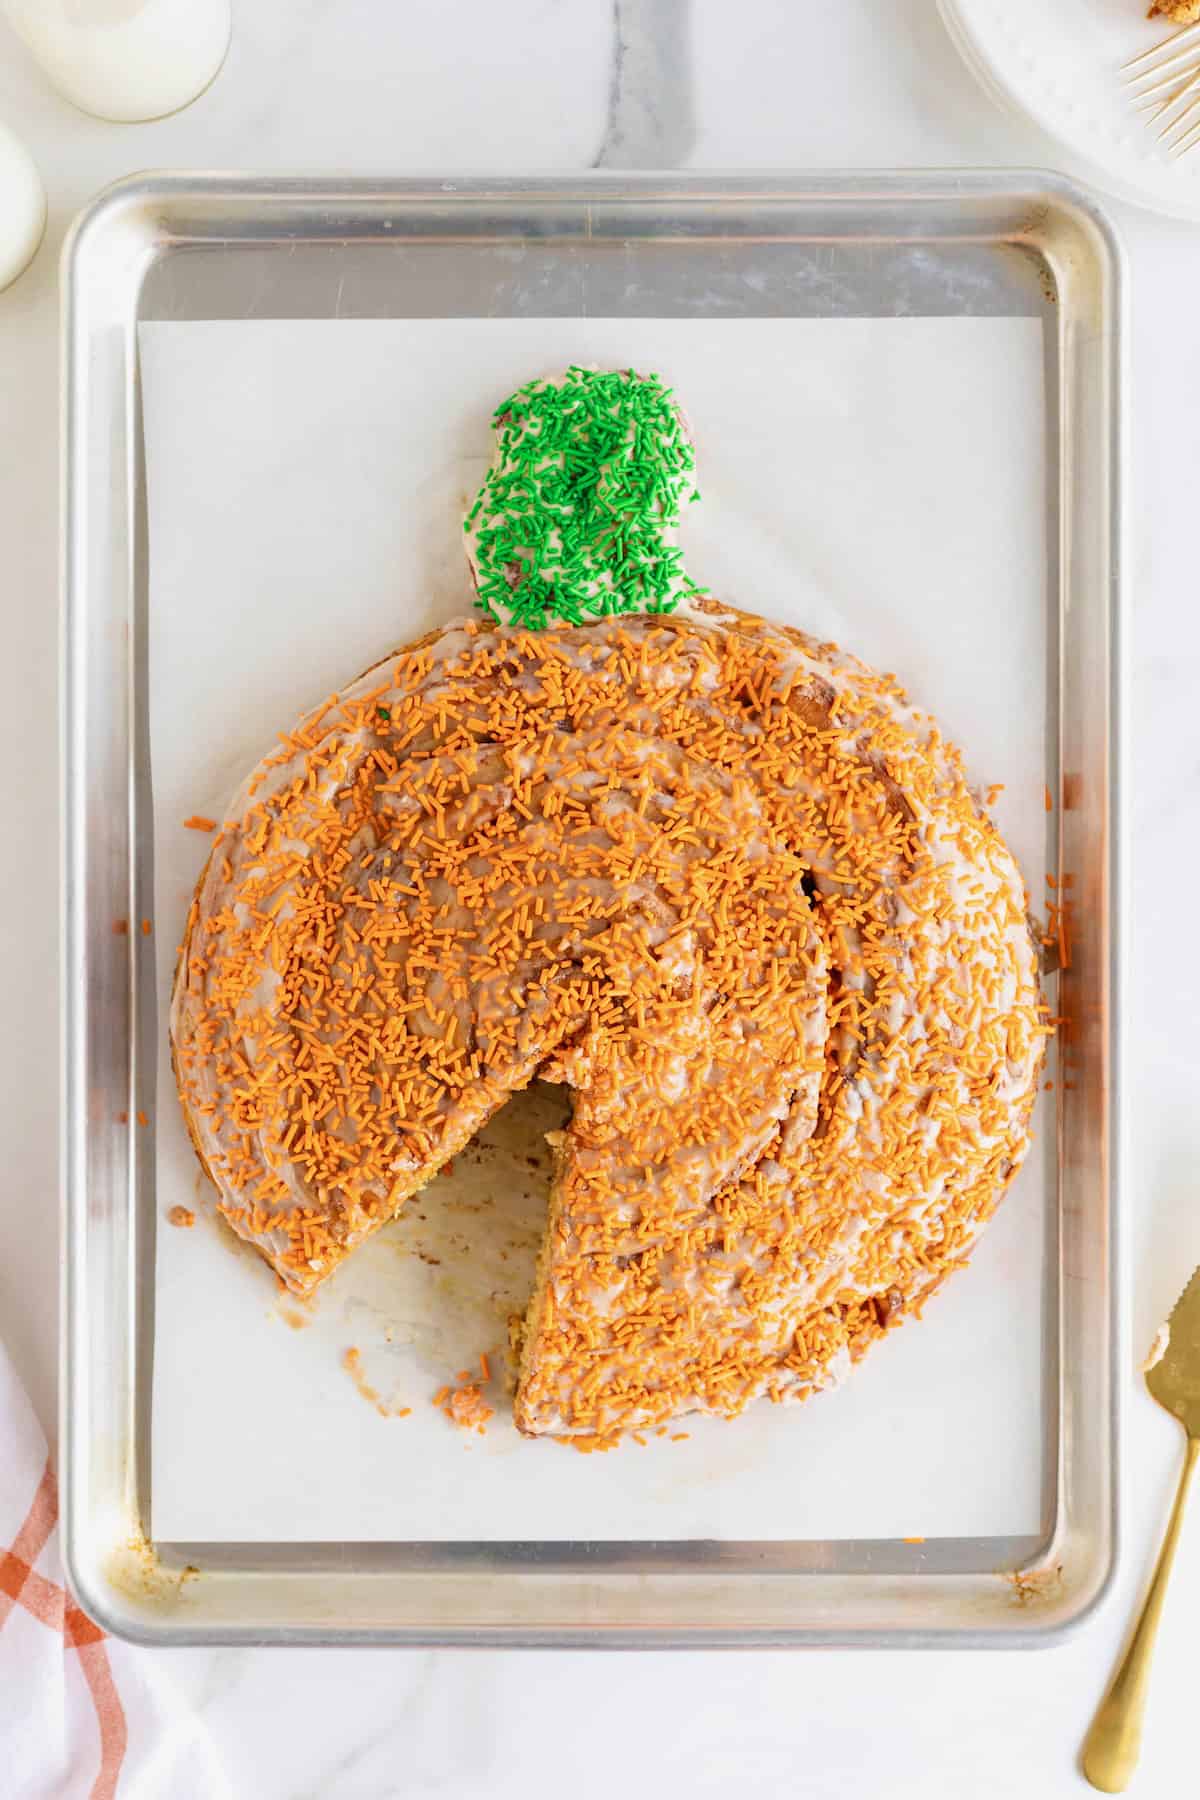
(182, 1216)
(465, 1405)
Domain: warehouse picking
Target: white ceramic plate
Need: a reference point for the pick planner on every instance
(1059, 63)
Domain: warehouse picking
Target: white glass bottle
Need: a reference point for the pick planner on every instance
(22, 207)
(125, 59)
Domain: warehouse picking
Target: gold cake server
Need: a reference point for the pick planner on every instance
(1110, 1750)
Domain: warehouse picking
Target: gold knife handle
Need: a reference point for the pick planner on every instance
(1110, 1750)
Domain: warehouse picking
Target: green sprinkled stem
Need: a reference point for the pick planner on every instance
(577, 514)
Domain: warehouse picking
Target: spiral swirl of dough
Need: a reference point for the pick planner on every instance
(720, 879)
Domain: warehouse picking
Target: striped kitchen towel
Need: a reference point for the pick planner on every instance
(82, 1717)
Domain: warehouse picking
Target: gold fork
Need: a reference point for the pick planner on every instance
(1165, 83)
(1110, 1750)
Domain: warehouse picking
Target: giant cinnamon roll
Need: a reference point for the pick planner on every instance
(718, 878)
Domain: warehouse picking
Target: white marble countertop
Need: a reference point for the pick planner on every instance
(368, 86)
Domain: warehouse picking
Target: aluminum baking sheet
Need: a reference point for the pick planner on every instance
(306, 484)
(811, 336)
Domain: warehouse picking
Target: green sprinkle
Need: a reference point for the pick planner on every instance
(383, 712)
(576, 515)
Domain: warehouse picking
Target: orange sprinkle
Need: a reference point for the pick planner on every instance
(484, 1367)
(147, 928)
(1064, 936)
(141, 1118)
(181, 1216)
(1049, 800)
(912, 1540)
(198, 822)
(440, 1396)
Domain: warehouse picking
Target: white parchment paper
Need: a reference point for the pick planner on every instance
(877, 481)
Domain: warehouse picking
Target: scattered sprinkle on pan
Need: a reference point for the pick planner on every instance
(464, 1405)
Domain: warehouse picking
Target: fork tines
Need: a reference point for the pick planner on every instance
(1165, 83)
